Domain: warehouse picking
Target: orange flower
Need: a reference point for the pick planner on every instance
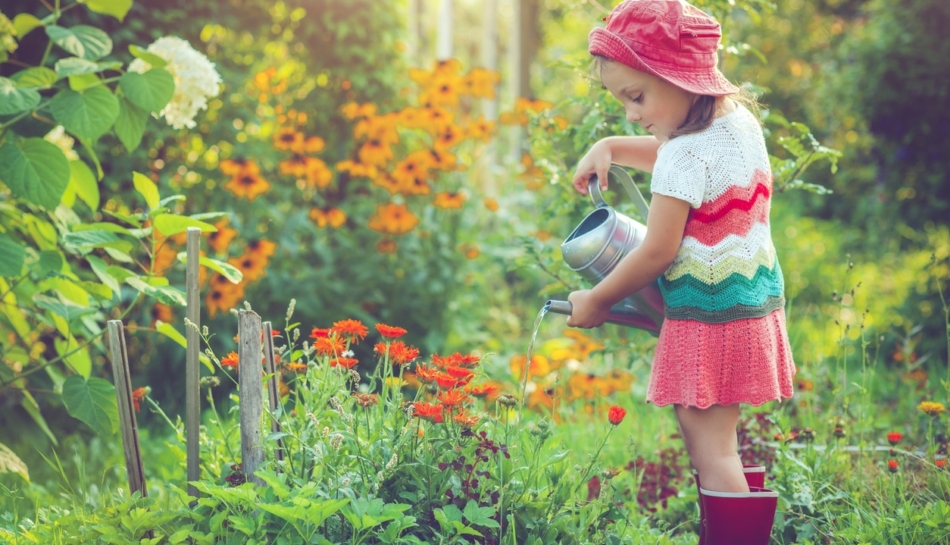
(428, 411)
(414, 167)
(346, 363)
(448, 137)
(366, 400)
(220, 240)
(460, 373)
(426, 373)
(164, 259)
(234, 167)
(138, 395)
(297, 165)
(390, 332)
(941, 463)
(892, 466)
(261, 247)
(375, 152)
(313, 144)
(247, 185)
(615, 415)
(223, 297)
(162, 313)
(288, 139)
(447, 199)
(318, 333)
(443, 160)
(488, 390)
(540, 366)
(447, 381)
(252, 266)
(386, 246)
(318, 174)
(329, 346)
(452, 398)
(357, 170)
(334, 217)
(443, 90)
(381, 128)
(393, 219)
(481, 83)
(480, 129)
(352, 110)
(401, 354)
(351, 330)
(231, 360)
(297, 367)
(465, 419)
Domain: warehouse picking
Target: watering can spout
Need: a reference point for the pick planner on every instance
(619, 315)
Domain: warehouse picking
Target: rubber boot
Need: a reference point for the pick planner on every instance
(739, 518)
(754, 476)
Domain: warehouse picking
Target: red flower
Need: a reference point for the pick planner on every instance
(460, 372)
(318, 333)
(428, 411)
(615, 415)
(138, 395)
(346, 363)
(351, 330)
(231, 360)
(399, 352)
(390, 332)
(894, 437)
(483, 390)
(941, 463)
(426, 373)
(329, 346)
(451, 398)
(892, 466)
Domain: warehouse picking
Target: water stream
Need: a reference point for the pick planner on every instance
(527, 363)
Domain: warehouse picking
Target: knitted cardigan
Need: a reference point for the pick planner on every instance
(726, 268)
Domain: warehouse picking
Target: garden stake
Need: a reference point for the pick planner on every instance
(251, 400)
(123, 394)
(192, 387)
(271, 370)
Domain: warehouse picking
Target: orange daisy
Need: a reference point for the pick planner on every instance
(351, 330)
(390, 332)
(448, 199)
(334, 217)
(220, 240)
(247, 185)
(345, 363)
(393, 219)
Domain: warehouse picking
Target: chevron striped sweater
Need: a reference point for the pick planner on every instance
(726, 268)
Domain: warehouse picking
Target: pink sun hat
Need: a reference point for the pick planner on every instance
(669, 39)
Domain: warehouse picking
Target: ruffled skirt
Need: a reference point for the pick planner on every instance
(745, 361)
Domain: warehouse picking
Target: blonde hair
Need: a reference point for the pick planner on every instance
(703, 111)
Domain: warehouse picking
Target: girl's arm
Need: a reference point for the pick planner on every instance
(637, 152)
(643, 265)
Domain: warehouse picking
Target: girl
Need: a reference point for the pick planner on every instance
(723, 341)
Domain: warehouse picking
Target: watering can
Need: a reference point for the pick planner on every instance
(601, 240)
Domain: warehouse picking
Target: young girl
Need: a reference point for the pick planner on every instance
(723, 341)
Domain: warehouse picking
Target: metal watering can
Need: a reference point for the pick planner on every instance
(601, 240)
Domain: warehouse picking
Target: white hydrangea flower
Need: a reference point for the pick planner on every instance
(8, 42)
(63, 141)
(196, 80)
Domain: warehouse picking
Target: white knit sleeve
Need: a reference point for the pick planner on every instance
(679, 173)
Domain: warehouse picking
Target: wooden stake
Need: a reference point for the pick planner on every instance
(192, 372)
(251, 392)
(272, 391)
(123, 394)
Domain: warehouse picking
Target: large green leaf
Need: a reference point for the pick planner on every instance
(83, 182)
(226, 270)
(11, 256)
(169, 331)
(171, 224)
(165, 294)
(23, 23)
(100, 268)
(11, 463)
(130, 125)
(83, 41)
(150, 91)
(71, 66)
(37, 76)
(151, 58)
(87, 114)
(115, 8)
(35, 170)
(146, 188)
(69, 311)
(14, 100)
(77, 360)
(92, 401)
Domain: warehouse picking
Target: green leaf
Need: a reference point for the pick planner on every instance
(11, 463)
(83, 182)
(480, 516)
(99, 267)
(81, 82)
(131, 220)
(23, 23)
(90, 239)
(36, 171)
(78, 360)
(92, 401)
(146, 188)
(72, 66)
(50, 261)
(165, 294)
(150, 91)
(171, 224)
(38, 77)
(115, 8)
(87, 114)
(69, 311)
(226, 270)
(83, 41)
(130, 125)
(14, 100)
(11, 256)
(32, 408)
(151, 58)
(103, 226)
(169, 331)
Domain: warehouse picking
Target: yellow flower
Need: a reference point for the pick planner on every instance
(382, 128)
(393, 219)
(435, 120)
(491, 204)
(931, 408)
(352, 110)
(252, 265)
(288, 138)
(233, 167)
(220, 240)
(448, 138)
(357, 170)
(443, 91)
(480, 129)
(388, 183)
(480, 82)
(318, 174)
(247, 185)
(297, 165)
(313, 144)
(447, 199)
(375, 152)
(334, 217)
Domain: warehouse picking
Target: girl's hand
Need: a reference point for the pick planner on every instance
(595, 162)
(588, 311)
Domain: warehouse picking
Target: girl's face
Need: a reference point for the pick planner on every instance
(657, 105)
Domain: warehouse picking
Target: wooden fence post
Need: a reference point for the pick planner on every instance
(192, 372)
(251, 392)
(272, 385)
(123, 394)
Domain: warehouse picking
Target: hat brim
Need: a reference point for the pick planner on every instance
(701, 81)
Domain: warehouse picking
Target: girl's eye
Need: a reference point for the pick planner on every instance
(638, 98)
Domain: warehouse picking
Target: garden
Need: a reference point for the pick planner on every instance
(381, 189)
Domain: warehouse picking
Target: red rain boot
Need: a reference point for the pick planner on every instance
(739, 518)
(754, 476)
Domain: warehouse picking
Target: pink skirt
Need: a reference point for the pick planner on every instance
(698, 364)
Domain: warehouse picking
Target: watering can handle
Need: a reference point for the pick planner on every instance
(618, 173)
